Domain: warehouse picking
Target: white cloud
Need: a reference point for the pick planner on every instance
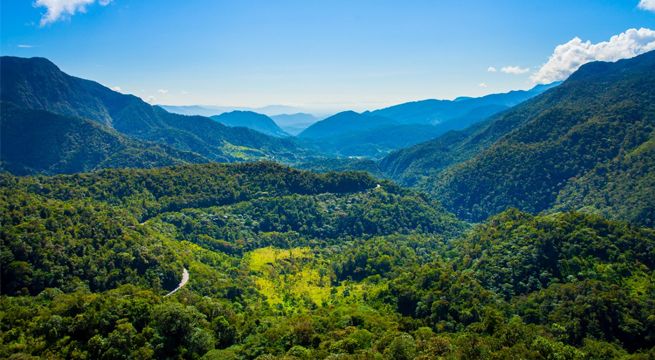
(483, 85)
(514, 70)
(62, 9)
(568, 57)
(25, 46)
(647, 5)
(151, 99)
(162, 91)
(491, 69)
(117, 88)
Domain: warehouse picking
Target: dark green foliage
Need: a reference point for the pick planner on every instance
(340, 164)
(524, 157)
(555, 248)
(300, 220)
(578, 286)
(621, 188)
(37, 84)
(49, 243)
(149, 192)
(34, 141)
(288, 264)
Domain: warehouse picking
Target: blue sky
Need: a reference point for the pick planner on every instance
(337, 54)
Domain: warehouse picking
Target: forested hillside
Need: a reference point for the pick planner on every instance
(38, 84)
(526, 156)
(291, 264)
(36, 141)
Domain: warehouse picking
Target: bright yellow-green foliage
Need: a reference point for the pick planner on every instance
(292, 277)
(243, 152)
(260, 258)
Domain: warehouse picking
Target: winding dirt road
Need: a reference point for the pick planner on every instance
(185, 279)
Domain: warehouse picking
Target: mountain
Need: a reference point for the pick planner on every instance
(374, 143)
(38, 84)
(295, 123)
(250, 120)
(345, 123)
(202, 110)
(621, 188)
(602, 118)
(37, 141)
(461, 112)
(375, 134)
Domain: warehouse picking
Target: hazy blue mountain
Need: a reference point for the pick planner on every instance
(344, 123)
(375, 134)
(250, 120)
(294, 124)
(38, 84)
(374, 143)
(37, 141)
(202, 110)
(461, 112)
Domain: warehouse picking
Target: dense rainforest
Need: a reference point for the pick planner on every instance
(527, 232)
(291, 264)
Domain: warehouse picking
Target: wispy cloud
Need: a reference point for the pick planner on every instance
(648, 5)
(117, 88)
(162, 91)
(491, 69)
(514, 70)
(568, 57)
(483, 85)
(63, 9)
(25, 46)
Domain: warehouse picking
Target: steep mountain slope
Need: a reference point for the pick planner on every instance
(412, 164)
(250, 120)
(525, 156)
(36, 141)
(621, 188)
(38, 84)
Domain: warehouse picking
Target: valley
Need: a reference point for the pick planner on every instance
(512, 225)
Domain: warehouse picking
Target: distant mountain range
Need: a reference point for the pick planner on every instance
(295, 123)
(461, 112)
(586, 144)
(211, 110)
(250, 120)
(37, 84)
(375, 134)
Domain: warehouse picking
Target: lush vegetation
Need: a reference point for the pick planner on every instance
(553, 143)
(292, 264)
(38, 84)
(297, 265)
(35, 141)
